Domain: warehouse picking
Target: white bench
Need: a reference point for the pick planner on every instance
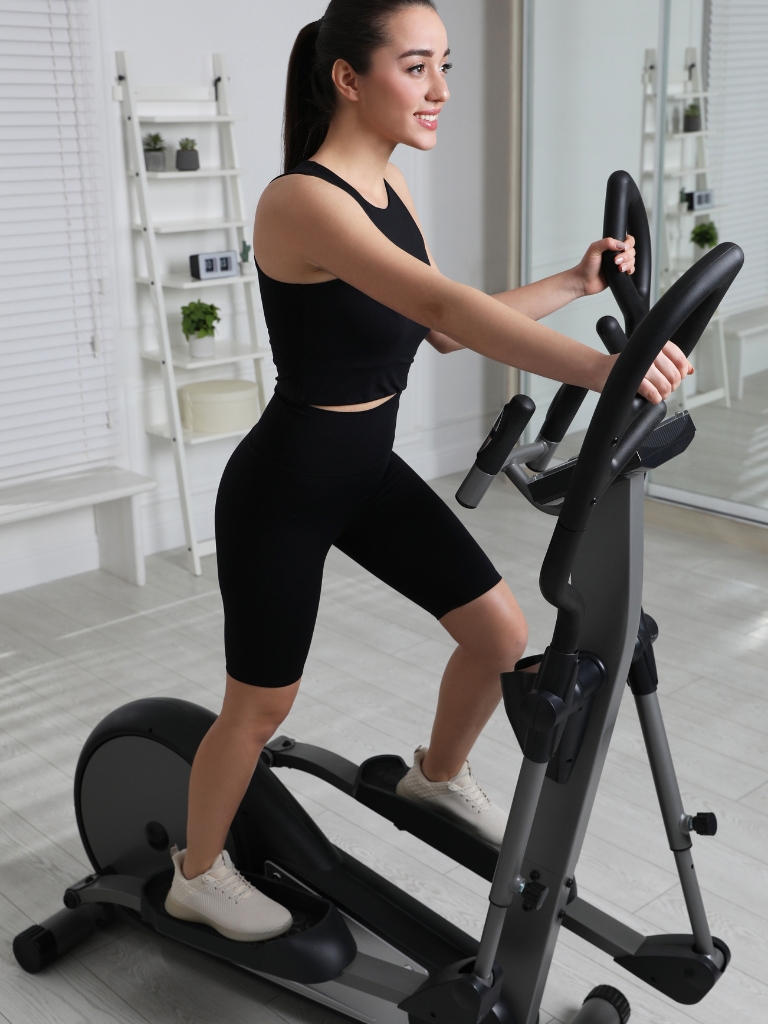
(114, 494)
(746, 338)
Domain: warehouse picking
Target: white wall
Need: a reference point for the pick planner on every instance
(448, 403)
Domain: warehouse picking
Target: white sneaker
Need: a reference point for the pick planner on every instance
(226, 901)
(460, 798)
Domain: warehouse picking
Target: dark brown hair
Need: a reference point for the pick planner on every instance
(349, 30)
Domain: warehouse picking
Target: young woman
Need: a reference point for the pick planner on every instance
(349, 291)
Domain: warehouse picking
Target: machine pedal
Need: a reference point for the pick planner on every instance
(317, 948)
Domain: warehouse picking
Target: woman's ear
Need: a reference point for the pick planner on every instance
(346, 80)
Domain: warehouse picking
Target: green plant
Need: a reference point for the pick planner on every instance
(692, 110)
(245, 252)
(704, 235)
(199, 318)
(153, 142)
(187, 144)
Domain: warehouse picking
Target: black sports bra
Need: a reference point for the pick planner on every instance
(332, 344)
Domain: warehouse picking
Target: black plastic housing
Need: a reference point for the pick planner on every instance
(670, 964)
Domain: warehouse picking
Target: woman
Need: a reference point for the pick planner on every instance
(349, 291)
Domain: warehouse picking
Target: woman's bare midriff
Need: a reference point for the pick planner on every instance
(354, 408)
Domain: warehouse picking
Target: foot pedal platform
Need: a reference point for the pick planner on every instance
(317, 947)
(375, 787)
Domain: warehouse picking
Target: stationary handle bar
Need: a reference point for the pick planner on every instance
(681, 315)
(624, 214)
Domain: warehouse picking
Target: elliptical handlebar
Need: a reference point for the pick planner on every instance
(624, 214)
(681, 315)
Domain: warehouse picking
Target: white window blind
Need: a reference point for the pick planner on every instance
(56, 382)
(738, 149)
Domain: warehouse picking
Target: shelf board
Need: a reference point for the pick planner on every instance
(192, 436)
(186, 118)
(695, 213)
(226, 352)
(203, 172)
(181, 282)
(690, 135)
(684, 173)
(172, 227)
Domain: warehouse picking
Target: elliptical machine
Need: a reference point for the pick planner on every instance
(358, 943)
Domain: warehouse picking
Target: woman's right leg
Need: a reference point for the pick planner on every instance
(225, 762)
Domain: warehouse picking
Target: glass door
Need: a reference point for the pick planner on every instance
(675, 92)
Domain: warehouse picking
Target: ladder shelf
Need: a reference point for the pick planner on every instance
(169, 356)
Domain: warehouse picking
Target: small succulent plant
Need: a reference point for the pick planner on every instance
(245, 252)
(187, 144)
(692, 110)
(153, 142)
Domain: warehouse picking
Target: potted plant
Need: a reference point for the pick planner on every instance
(154, 151)
(704, 235)
(198, 323)
(692, 118)
(246, 266)
(187, 157)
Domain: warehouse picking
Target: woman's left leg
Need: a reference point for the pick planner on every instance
(491, 633)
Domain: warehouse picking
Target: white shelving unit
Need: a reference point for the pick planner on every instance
(685, 170)
(169, 355)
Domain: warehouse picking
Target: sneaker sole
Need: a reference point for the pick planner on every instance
(184, 913)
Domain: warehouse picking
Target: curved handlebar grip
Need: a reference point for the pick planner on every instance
(681, 313)
(495, 450)
(625, 214)
(561, 412)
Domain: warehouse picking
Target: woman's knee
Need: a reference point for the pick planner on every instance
(256, 712)
(492, 627)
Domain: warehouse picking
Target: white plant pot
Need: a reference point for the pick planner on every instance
(202, 348)
(247, 268)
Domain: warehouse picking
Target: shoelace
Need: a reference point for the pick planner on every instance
(234, 886)
(474, 794)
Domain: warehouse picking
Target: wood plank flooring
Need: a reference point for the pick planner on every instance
(73, 650)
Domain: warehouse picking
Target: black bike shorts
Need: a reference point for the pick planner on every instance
(305, 479)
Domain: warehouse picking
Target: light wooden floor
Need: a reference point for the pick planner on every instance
(73, 650)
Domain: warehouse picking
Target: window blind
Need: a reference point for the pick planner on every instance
(56, 370)
(738, 148)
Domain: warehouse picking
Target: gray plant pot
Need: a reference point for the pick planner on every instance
(692, 123)
(187, 160)
(154, 159)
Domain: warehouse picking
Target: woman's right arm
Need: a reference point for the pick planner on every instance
(308, 229)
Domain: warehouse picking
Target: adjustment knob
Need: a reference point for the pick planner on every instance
(534, 895)
(705, 823)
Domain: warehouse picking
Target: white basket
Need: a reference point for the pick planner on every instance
(219, 406)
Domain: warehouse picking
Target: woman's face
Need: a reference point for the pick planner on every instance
(405, 89)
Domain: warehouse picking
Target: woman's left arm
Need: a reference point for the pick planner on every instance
(539, 299)
(543, 297)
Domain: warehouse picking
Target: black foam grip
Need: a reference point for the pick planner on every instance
(561, 412)
(505, 434)
(625, 214)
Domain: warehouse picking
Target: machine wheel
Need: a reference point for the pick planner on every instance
(131, 787)
(604, 1005)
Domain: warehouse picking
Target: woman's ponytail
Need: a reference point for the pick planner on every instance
(306, 124)
(349, 30)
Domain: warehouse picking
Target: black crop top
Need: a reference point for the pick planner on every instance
(332, 344)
